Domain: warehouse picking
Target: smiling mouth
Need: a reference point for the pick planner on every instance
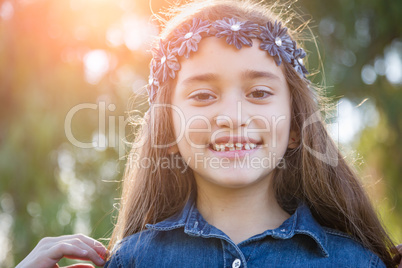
(224, 147)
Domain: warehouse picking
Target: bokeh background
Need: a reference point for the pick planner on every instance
(69, 70)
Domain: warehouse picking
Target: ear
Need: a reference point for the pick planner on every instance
(294, 140)
(173, 149)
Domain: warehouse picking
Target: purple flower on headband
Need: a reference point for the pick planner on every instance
(186, 39)
(153, 83)
(274, 39)
(237, 32)
(276, 42)
(298, 55)
(165, 63)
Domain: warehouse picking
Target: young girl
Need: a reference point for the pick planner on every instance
(244, 173)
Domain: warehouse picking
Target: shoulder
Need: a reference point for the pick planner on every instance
(125, 251)
(335, 247)
(342, 246)
(147, 248)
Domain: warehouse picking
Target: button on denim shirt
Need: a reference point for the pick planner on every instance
(187, 240)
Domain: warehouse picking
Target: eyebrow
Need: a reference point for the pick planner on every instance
(247, 74)
(253, 74)
(200, 78)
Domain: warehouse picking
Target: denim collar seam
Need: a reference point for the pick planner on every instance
(224, 253)
(321, 240)
(340, 233)
(222, 237)
(288, 233)
(187, 228)
(256, 238)
(291, 232)
(161, 228)
(321, 244)
(181, 222)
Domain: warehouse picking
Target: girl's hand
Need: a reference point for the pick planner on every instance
(50, 250)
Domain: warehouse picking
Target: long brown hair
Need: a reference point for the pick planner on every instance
(316, 173)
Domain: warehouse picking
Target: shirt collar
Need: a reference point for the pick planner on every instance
(176, 221)
(301, 222)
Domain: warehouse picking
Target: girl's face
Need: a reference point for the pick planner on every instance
(231, 114)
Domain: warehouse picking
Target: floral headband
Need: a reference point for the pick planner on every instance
(274, 40)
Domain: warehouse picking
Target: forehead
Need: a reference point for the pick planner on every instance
(215, 56)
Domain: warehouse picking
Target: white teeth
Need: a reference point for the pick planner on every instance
(238, 146)
(233, 147)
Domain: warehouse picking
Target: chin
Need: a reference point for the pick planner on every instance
(234, 181)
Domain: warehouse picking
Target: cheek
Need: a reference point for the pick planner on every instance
(198, 129)
(275, 124)
(281, 130)
(191, 129)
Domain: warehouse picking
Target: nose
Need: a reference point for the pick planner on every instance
(232, 114)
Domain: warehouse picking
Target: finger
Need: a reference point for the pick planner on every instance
(48, 242)
(86, 239)
(87, 254)
(78, 247)
(80, 239)
(91, 257)
(96, 245)
(58, 251)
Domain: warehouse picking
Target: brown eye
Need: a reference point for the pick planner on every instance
(202, 97)
(259, 94)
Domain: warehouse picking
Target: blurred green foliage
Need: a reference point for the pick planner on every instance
(49, 187)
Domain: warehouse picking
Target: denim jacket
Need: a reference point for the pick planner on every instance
(187, 240)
